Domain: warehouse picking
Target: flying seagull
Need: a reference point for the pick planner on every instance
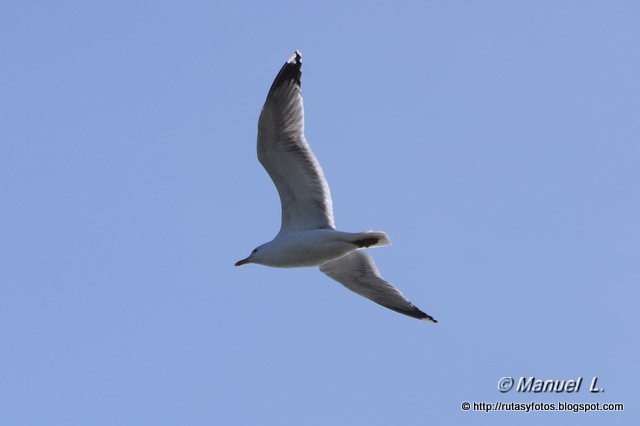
(308, 236)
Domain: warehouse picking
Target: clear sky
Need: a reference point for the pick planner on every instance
(496, 142)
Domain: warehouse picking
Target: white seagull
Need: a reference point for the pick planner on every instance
(308, 235)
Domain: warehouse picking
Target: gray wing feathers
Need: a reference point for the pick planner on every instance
(287, 157)
(358, 272)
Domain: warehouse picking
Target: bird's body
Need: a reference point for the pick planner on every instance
(307, 235)
(295, 249)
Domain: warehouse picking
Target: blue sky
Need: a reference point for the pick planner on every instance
(497, 143)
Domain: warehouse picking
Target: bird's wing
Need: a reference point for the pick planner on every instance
(357, 272)
(287, 157)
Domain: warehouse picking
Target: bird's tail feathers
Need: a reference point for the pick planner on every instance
(371, 239)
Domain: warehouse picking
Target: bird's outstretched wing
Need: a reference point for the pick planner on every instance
(287, 157)
(357, 272)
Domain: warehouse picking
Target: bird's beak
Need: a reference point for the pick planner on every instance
(242, 262)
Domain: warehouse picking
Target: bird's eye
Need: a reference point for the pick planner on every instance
(254, 250)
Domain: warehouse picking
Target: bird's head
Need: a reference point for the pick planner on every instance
(254, 257)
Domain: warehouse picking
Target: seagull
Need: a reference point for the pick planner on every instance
(308, 235)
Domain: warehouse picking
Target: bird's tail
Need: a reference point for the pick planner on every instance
(370, 239)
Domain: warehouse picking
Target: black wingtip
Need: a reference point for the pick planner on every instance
(430, 318)
(413, 312)
(296, 58)
(417, 313)
(290, 71)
